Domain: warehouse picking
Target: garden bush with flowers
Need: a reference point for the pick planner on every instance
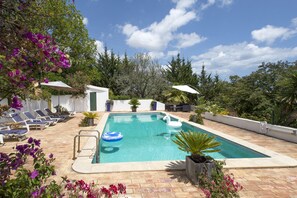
(220, 185)
(23, 68)
(27, 173)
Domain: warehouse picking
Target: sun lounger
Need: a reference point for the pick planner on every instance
(67, 113)
(50, 113)
(7, 132)
(30, 116)
(31, 123)
(41, 114)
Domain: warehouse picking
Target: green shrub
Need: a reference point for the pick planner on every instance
(134, 102)
(253, 117)
(197, 118)
(120, 97)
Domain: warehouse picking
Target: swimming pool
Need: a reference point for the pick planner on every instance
(148, 138)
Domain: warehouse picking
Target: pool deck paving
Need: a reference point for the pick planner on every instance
(260, 182)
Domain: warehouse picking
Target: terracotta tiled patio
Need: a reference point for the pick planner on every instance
(277, 182)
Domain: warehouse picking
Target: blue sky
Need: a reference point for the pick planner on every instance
(228, 36)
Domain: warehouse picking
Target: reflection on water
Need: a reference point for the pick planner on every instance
(109, 149)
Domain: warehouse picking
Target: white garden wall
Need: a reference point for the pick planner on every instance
(281, 132)
(80, 104)
(71, 104)
(145, 105)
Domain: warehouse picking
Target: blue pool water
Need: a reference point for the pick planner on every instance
(148, 138)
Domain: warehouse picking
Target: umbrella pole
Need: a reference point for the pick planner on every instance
(58, 109)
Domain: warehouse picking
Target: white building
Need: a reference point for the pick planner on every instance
(94, 100)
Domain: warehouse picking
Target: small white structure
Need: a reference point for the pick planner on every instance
(96, 97)
(94, 100)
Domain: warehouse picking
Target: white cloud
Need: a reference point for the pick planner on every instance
(294, 21)
(226, 2)
(156, 55)
(226, 59)
(270, 33)
(210, 3)
(129, 29)
(187, 40)
(172, 53)
(85, 21)
(99, 46)
(156, 36)
(207, 4)
(184, 4)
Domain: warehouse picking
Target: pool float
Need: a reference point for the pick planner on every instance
(112, 136)
(173, 124)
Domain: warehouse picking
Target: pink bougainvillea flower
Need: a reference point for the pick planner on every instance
(15, 52)
(10, 74)
(16, 103)
(23, 78)
(17, 72)
(34, 174)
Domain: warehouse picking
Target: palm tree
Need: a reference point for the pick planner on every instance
(197, 144)
(175, 96)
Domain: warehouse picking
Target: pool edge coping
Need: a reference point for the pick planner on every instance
(83, 163)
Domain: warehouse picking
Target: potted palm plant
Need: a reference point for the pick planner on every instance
(197, 144)
(90, 117)
(134, 104)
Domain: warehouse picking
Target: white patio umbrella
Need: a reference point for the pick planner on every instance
(185, 88)
(59, 86)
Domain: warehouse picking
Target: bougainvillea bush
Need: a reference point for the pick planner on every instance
(24, 67)
(220, 185)
(27, 172)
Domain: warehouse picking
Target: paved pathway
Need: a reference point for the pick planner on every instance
(273, 182)
(278, 182)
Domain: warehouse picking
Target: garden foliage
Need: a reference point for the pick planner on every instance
(27, 172)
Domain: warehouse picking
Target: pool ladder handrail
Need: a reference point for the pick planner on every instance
(85, 135)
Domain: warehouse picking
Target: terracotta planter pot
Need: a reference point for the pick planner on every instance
(134, 109)
(193, 169)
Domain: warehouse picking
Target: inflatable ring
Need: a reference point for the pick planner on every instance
(112, 136)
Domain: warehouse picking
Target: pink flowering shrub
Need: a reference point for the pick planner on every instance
(20, 179)
(220, 185)
(22, 68)
(27, 181)
(82, 189)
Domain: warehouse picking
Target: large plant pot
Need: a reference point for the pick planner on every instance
(91, 121)
(154, 106)
(193, 169)
(134, 109)
(108, 106)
